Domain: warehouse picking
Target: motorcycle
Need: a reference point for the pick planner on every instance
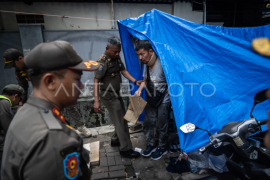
(249, 158)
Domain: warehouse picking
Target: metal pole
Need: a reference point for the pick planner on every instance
(204, 13)
(113, 26)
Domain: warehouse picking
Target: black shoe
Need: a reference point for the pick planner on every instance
(115, 143)
(130, 154)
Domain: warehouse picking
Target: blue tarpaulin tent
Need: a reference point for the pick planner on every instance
(212, 72)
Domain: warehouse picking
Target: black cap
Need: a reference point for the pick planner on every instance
(13, 88)
(57, 55)
(261, 46)
(10, 55)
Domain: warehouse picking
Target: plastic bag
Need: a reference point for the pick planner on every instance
(198, 162)
(218, 163)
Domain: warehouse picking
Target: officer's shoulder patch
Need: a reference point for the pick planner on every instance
(104, 57)
(71, 165)
(100, 68)
(58, 114)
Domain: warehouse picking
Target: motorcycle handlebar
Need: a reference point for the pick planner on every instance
(263, 122)
(202, 149)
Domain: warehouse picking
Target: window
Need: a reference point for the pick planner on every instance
(30, 19)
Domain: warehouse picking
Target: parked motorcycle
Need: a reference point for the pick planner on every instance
(250, 159)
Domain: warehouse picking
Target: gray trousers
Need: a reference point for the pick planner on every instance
(74, 114)
(157, 117)
(115, 106)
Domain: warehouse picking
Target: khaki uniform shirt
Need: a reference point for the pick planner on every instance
(40, 146)
(109, 73)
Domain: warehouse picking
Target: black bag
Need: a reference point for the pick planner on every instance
(176, 166)
(154, 98)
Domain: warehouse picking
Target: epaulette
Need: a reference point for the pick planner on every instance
(103, 57)
(50, 119)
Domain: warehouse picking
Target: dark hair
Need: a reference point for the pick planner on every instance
(36, 77)
(113, 41)
(143, 44)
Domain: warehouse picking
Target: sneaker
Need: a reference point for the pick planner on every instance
(149, 150)
(159, 153)
(173, 148)
(86, 132)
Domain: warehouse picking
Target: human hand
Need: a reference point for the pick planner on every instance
(97, 106)
(138, 83)
(138, 93)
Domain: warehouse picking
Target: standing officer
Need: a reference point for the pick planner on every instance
(109, 77)
(39, 144)
(11, 96)
(14, 58)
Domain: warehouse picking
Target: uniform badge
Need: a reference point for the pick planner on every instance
(71, 165)
(113, 74)
(100, 68)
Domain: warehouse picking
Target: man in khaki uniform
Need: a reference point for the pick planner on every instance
(10, 97)
(109, 77)
(39, 145)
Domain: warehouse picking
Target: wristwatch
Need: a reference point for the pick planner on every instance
(135, 82)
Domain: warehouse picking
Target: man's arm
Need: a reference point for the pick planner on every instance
(97, 106)
(129, 77)
(24, 84)
(142, 86)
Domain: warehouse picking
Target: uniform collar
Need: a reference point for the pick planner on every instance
(108, 57)
(41, 103)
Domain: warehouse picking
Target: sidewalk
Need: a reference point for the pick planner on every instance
(113, 166)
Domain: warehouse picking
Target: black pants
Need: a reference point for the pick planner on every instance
(157, 117)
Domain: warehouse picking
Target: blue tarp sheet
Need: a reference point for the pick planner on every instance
(212, 72)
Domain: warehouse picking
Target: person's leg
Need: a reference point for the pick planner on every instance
(163, 128)
(74, 114)
(149, 125)
(117, 113)
(163, 124)
(115, 140)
